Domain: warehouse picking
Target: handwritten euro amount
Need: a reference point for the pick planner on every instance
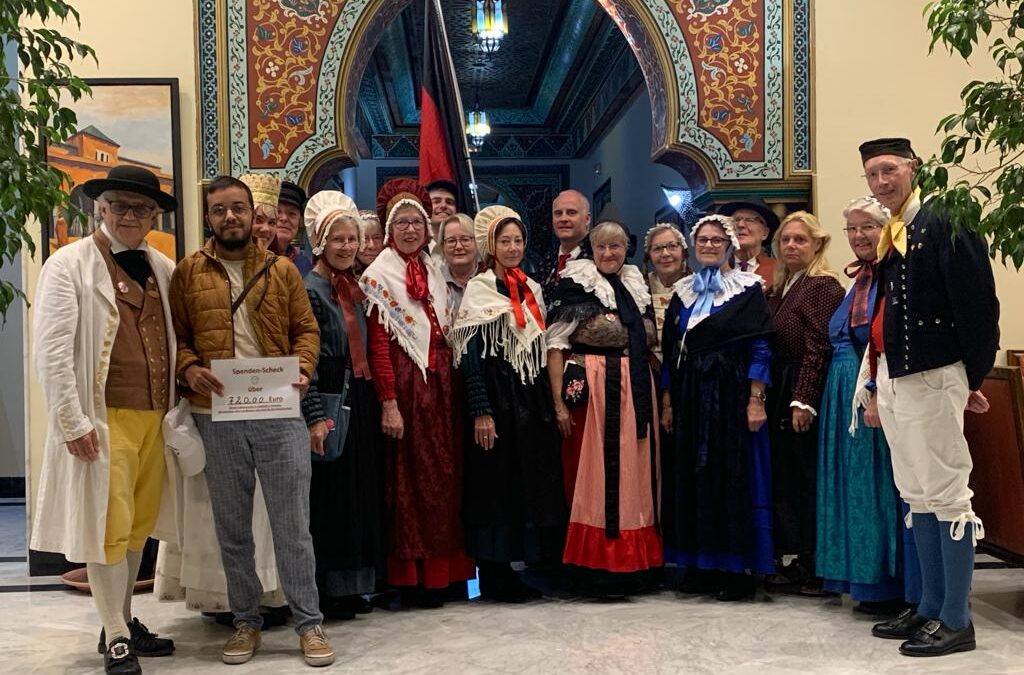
(254, 400)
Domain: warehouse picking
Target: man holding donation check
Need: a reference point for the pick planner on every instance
(233, 301)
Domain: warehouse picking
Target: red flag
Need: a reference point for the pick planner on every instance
(442, 134)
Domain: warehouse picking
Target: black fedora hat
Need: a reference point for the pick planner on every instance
(130, 178)
(756, 205)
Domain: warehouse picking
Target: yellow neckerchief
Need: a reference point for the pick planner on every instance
(894, 234)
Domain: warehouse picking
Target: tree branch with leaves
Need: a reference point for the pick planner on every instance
(31, 116)
(983, 148)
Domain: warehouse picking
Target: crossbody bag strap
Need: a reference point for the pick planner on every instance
(344, 386)
(251, 282)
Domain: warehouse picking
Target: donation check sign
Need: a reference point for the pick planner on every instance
(256, 389)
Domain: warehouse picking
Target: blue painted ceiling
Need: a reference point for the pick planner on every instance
(542, 80)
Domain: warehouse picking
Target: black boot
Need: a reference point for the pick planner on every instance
(735, 587)
(424, 598)
(499, 582)
(119, 658)
(336, 609)
(700, 582)
(938, 639)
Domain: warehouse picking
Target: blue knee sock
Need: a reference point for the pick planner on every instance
(929, 556)
(958, 568)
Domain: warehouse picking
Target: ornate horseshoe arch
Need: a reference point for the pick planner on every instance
(279, 81)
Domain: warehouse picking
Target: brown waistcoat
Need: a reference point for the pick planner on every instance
(138, 375)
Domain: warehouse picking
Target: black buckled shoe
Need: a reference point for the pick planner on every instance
(902, 627)
(145, 643)
(120, 659)
(938, 639)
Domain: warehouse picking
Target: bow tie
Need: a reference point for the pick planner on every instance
(894, 234)
(135, 265)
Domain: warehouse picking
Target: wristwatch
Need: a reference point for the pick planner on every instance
(759, 396)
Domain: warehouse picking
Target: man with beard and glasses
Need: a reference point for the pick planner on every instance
(231, 299)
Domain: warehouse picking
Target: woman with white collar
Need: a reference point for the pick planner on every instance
(716, 494)
(514, 507)
(600, 328)
(412, 368)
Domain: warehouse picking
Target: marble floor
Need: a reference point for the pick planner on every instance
(45, 631)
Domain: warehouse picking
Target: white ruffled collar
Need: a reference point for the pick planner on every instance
(734, 282)
(585, 273)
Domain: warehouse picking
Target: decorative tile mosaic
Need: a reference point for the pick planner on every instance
(801, 85)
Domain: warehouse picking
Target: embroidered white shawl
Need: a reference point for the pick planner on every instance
(406, 319)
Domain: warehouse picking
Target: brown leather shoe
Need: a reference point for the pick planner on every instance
(242, 645)
(316, 648)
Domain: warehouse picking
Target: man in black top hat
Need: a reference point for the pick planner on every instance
(755, 225)
(290, 205)
(933, 340)
(104, 350)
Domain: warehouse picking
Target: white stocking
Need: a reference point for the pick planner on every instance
(134, 560)
(108, 583)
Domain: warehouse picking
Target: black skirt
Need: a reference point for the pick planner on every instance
(346, 500)
(794, 467)
(514, 499)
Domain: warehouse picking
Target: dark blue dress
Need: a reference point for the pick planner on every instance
(716, 477)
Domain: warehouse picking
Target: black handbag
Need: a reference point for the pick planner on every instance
(338, 415)
(575, 391)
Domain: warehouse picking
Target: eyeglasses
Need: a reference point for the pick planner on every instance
(141, 211)
(671, 247)
(219, 211)
(405, 224)
(748, 219)
(711, 242)
(452, 242)
(866, 229)
(887, 171)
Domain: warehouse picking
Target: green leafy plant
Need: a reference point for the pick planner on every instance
(977, 179)
(31, 116)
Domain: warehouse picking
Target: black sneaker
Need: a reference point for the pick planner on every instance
(144, 643)
(120, 659)
(938, 639)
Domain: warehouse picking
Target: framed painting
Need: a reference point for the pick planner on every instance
(126, 121)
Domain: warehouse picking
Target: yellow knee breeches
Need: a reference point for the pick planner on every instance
(136, 479)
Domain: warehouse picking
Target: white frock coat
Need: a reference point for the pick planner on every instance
(74, 325)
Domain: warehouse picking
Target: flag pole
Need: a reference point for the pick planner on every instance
(458, 100)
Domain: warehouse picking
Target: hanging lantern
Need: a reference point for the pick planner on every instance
(490, 25)
(478, 127)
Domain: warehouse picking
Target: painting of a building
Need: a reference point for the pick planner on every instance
(119, 125)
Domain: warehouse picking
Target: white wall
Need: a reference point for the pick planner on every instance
(145, 38)
(873, 78)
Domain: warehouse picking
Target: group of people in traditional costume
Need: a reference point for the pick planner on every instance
(732, 414)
